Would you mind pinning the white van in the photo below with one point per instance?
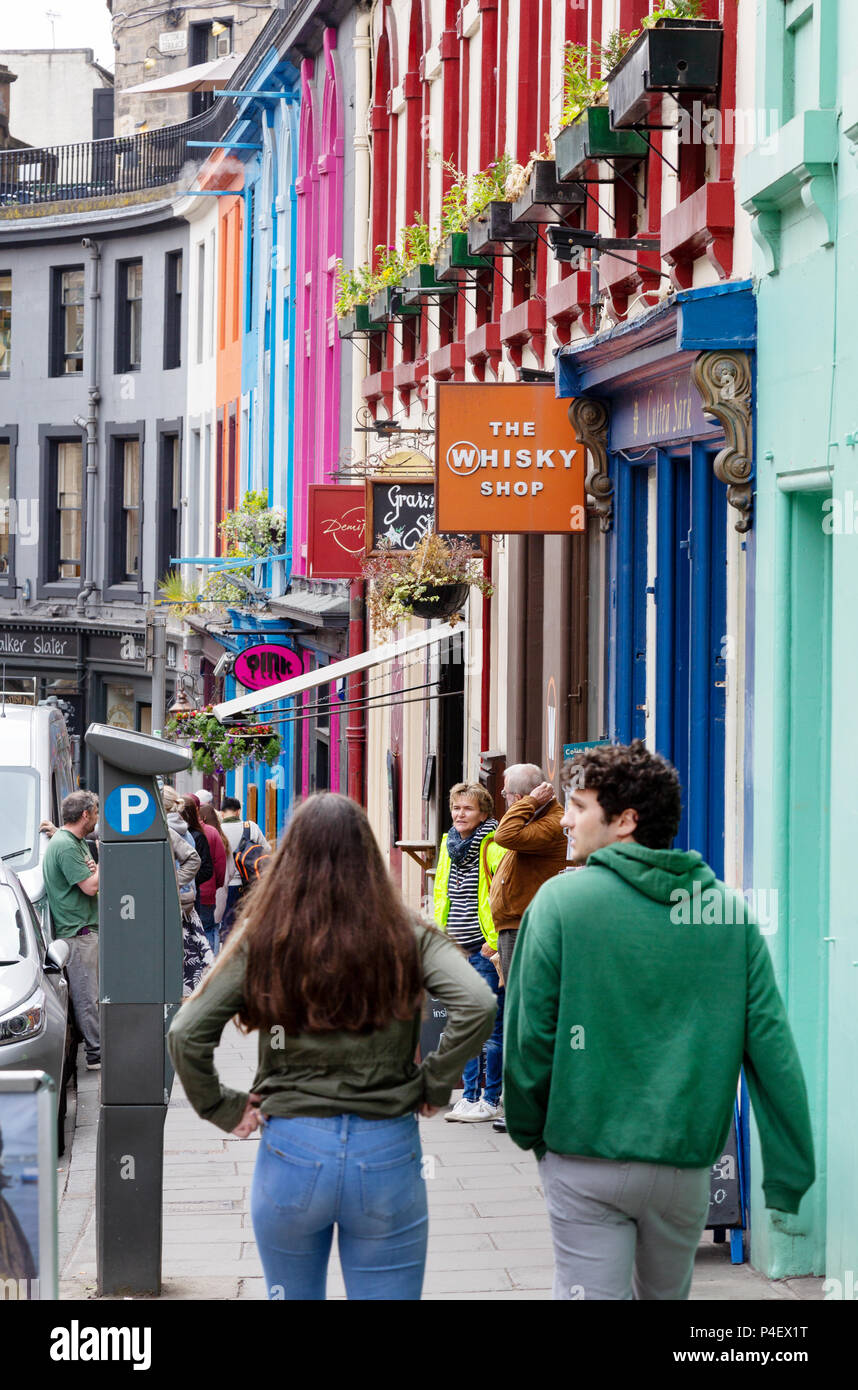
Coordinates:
(35, 775)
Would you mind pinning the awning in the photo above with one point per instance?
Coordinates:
(203, 77)
(316, 610)
(334, 672)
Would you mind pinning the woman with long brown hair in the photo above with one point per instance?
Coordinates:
(330, 966)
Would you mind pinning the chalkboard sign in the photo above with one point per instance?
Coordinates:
(400, 511)
(725, 1197)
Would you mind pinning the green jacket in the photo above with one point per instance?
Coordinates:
(325, 1074)
(490, 856)
(638, 988)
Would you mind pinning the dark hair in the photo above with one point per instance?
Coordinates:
(207, 815)
(191, 816)
(330, 943)
(230, 803)
(631, 777)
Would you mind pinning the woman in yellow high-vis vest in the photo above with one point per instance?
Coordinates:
(466, 864)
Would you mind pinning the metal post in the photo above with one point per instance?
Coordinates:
(159, 671)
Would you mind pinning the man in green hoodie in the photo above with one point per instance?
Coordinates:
(638, 988)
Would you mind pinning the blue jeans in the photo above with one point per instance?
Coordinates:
(206, 916)
(362, 1175)
(494, 1046)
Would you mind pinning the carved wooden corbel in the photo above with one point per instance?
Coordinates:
(724, 382)
(589, 419)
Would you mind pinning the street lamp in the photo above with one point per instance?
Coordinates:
(182, 703)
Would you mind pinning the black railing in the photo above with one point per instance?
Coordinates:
(109, 168)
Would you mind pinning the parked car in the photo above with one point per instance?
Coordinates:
(35, 1018)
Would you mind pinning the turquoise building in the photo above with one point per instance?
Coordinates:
(801, 188)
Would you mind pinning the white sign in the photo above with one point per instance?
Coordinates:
(173, 41)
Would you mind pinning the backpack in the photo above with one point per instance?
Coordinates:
(251, 860)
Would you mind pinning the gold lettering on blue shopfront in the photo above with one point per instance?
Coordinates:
(666, 412)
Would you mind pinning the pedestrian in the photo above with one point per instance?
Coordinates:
(627, 1023)
(204, 797)
(212, 847)
(233, 828)
(467, 860)
(533, 836)
(196, 952)
(331, 967)
(71, 883)
(213, 892)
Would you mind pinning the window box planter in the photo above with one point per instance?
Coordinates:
(455, 261)
(591, 137)
(387, 305)
(678, 55)
(546, 199)
(421, 283)
(358, 324)
(493, 234)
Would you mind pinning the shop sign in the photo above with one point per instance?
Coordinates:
(129, 649)
(266, 664)
(400, 511)
(508, 460)
(337, 531)
(58, 646)
(659, 412)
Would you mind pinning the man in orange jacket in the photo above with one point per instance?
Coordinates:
(535, 841)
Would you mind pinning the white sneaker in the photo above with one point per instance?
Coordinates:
(464, 1110)
(479, 1112)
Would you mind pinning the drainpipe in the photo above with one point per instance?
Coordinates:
(91, 422)
(356, 724)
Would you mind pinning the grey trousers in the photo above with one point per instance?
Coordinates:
(82, 971)
(623, 1230)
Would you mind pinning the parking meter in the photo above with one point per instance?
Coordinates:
(140, 980)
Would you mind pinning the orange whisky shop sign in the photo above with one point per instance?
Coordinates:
(507, 461)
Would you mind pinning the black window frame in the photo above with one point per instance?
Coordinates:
(117, 588)
(122, 344)
(168, 430)
(57, 351)
(47, 586)
(7, 371)
(9, 435)
(173, 270)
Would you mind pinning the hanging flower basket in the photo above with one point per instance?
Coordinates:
(440, 600)
(430, 581)
(216, 747)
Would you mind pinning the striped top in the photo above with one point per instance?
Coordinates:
(463, 923)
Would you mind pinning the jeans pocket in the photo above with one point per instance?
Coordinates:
(388, 1189)
(288, 1182)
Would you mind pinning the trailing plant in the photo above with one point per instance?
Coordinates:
(469, 195)
(586, 66)
(254, 527)
(218, 748)
(399, 579)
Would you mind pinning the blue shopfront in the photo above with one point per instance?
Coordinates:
(665, 406)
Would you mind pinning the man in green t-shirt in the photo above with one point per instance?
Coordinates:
(71, 883)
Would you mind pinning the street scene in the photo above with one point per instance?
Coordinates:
(426, 515)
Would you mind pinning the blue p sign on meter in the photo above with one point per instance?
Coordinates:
(130, 809)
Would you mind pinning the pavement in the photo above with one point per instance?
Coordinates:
(488, 1231)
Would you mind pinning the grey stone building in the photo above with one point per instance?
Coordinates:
(153, 39)
(91, 420)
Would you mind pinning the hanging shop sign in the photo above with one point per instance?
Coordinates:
(266, 664)
(507, 460)
(400, 511)
(337, 535)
